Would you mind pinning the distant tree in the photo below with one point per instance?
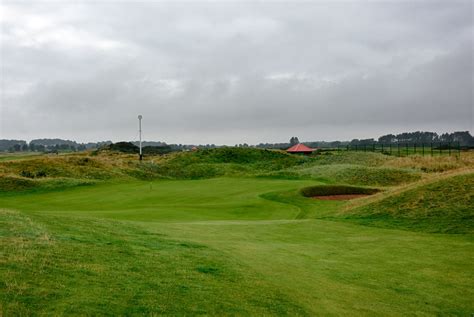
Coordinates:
(387, 139)
(24, 147)
(417, 137)
(463, 137)
(8, 145)
(294, 140)
(446, 137)
(366, 141)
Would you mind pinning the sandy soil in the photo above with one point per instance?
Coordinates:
(340, 197)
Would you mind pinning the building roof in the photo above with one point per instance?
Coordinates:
(299, 148)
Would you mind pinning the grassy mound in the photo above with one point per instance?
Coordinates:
(245, 156)
(349, 174)
(327, 190)
(217, 162)
(56, 172)
(109, 165)
(446, 206)
(355, 158)
(83, 167)
(11, 184)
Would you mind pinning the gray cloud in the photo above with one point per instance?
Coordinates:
(231, 73)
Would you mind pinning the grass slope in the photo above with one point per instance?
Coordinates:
(445, 206)
(57, 266)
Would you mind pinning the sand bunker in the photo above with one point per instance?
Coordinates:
(337, 192)
(340, 197)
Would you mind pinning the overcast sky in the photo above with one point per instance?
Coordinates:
(226, 73)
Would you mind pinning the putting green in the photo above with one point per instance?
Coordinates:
(212, 199)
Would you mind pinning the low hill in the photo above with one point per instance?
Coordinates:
(350, 174)
(350, 168)
(444, 206)
(119, 162)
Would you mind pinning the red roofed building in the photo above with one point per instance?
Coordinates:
(300, 148)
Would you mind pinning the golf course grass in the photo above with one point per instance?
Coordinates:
(244, 242)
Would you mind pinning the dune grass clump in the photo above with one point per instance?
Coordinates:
(348, 174)
(445, 206)
(327, 190)
(351, 157)
(68, 166)
(437, 164)
(11, 184)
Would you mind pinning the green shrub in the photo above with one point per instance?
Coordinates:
(124, 147)
(157, 150)
(27, 174)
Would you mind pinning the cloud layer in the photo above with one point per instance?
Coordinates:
(233, 73)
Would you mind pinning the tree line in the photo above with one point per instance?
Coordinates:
(461, 138)
(47, 145)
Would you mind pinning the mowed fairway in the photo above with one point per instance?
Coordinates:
(220, 247)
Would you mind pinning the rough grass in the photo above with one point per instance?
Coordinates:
(64, 166)
(355, 168)
(434, 163)
(10, 185)
(350, 174)
(350, 157)
(18, 156)
(445, 206)
(185, 165)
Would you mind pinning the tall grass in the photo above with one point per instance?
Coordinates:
(443, 206)
(433, 163)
